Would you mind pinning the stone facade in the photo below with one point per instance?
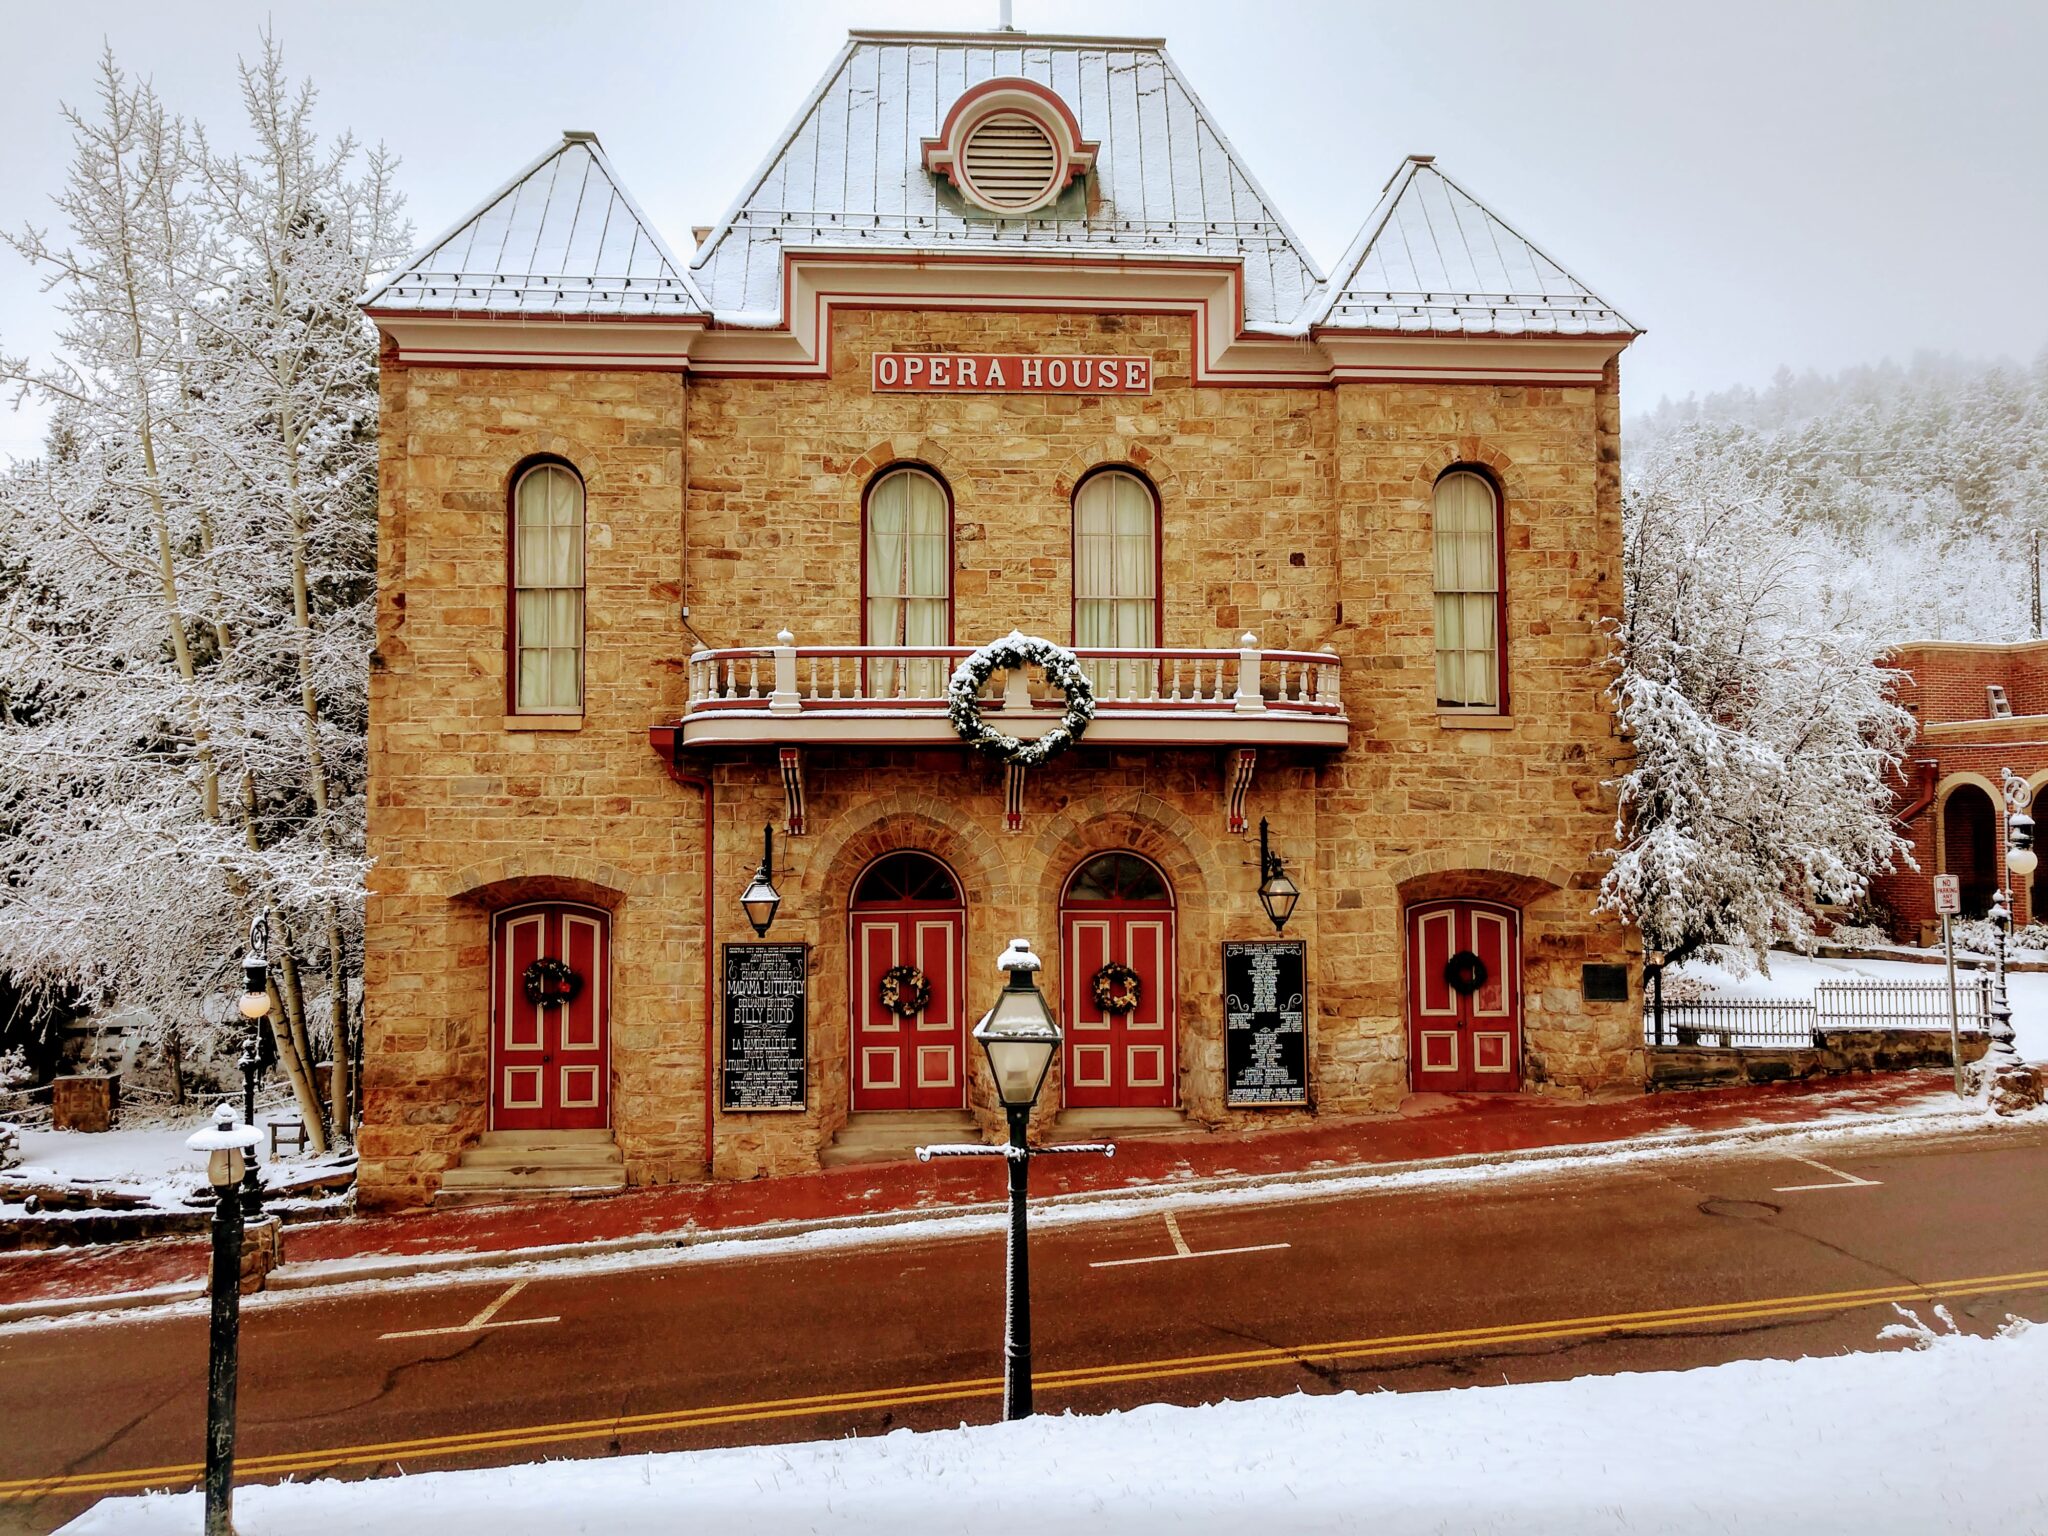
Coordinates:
(1301, 514)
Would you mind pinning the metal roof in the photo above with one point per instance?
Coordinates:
(849, 171)
(562, 237)
(1432, 259)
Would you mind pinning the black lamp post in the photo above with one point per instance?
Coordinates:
(2020, 860)
(1277, 893)
(1653, 962)
(760, 899)
(255, 1007)
(1020, 1037)
(227, 1146)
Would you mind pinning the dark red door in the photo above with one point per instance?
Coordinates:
(1464, 998)
(907, 917)
(1118, 911)
(550, 1061)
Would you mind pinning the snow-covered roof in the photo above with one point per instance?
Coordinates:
(562, 237)
(1432, 259)
(849, 171)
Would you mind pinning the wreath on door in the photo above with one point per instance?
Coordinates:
(1117, 989)
(549, 982)
(1465, 973)
(1062, 669)
(905, 991)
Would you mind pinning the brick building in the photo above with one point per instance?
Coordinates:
(1981, 708)
(1003, 337)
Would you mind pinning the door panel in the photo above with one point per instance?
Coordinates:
(1464, 1041)
(550, 1063)
(1120, 1061)
(912, 1063)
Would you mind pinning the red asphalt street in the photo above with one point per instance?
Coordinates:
(1798, 1249)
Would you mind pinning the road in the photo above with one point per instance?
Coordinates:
(1634, 1266)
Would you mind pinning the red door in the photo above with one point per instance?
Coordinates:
(907, 915)
(550, 1066)
(1118, 911)
(1464, 998)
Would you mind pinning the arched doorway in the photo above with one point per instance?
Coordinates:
(1464, 997)
(1117, 911)
(1969, 845)
(907, 935)
(551, 1023)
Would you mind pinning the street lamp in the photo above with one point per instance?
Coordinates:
(255, 1007)
(760, 899)
(1277, 893)
(227, 1146)
(1653, 961)
(1020, 1036)
(2021, 860)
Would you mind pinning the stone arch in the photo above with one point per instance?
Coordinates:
(1471, 451)
(494, 883)
(1109, 452)
(1477, 870)
(854, 839)
(1142, 823)
(1986, 871)
(904, 448)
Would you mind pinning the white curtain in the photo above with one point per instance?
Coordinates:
(1116, 566)
(1467, 593)
(909, 589)
(547, 578)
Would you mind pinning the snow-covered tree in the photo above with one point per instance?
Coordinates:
(185, 633)
(1764, 736)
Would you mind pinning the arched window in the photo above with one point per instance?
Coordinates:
(547, 591)
(1116, 572)
(907, 569)
(1469, 664)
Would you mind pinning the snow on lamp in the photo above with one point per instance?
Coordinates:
(226, 1144)
(1019, 1034)
(2020, 857)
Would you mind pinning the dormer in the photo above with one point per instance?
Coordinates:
(1010, 146)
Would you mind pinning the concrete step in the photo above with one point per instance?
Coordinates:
(893, 1136)
(446, 1199)
(527, 1178)
(544, 1138)
(1115, 1124)
(575, 1154)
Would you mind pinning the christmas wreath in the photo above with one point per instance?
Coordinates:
(1062, 670)
(1117, 989)
(905, 991)
(1465, 973)
(549, 981)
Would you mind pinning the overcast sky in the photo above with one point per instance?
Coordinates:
(1755, 183)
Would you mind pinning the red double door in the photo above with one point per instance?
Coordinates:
(915, 1060)
(550, 1061)
(1464, 998)
(1118, 911)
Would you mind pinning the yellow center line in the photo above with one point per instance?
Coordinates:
(1463, 1340)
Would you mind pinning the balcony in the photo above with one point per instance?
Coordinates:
(868, 695)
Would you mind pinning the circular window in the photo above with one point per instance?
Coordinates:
(1009, 161)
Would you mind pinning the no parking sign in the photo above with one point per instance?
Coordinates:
(1948, 895)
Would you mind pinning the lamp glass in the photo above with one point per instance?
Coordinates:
(225, 1167)
(1277, 895)
(255, 1005)
(760, 901)
(2022, 861)
(1019, 1067)
(1020, 1035)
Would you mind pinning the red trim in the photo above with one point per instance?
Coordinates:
(1158, 554)
(520, 471)
(691, 318)
(867, 492)
(1411, 979)
(967, 99)
(662, 738)
(548, 1113)
(1500, 578)
(956, 908)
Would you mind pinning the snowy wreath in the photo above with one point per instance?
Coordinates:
(905, 991)
(1062, 669)
(1117, 989)
(549, 981)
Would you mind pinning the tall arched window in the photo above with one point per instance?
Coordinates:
(547, 591)
(908, 574)
(1116, 570)
(1468, 594)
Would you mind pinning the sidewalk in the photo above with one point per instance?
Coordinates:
(78, 1279)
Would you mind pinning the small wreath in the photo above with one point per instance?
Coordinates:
(1062, 670)
(1465, 973)
(905, 991)
(1117, 989)
(549, 982)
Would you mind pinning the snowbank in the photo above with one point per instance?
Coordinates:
(147, 1159)
(1942, 1439)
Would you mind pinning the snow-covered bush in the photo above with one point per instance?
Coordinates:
(1859, 935)
(1981, 935)
(10, 1145)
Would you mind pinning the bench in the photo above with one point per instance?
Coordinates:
(293, 1131)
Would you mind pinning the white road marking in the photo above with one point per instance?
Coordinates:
(1841, 1180)
(480, 1322)
(1181, 1250)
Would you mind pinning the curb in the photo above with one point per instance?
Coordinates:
(324, 1273)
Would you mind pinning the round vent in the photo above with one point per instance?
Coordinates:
(1010, 160)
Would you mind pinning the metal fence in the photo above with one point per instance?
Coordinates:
(1836, 1005)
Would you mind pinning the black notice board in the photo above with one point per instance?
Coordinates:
(1265, 1025)
(765, 1062)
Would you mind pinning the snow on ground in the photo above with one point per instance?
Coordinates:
(1793, 977)
(1813, 1446)
(146, 1155)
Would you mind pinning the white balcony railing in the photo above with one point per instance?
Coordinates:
(894, 694)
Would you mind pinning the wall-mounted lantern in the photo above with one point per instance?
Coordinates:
(1277, 893)
(760, 899)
